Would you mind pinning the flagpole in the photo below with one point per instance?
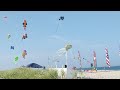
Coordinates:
(66, 59)
(95, 60)
(80, 65)
(80, 61)
(48, 63)
(96, 65)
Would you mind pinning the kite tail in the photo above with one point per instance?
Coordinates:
(24, 28)
(24, 56)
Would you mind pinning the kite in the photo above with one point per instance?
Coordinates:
(16, 58)
(68, 46)
(24, 36)
(61, 18)
(25, 24)
(24, 53)
(12, 47)
(5, 17)
(9, 36)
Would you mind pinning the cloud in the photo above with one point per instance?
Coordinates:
(58, 38)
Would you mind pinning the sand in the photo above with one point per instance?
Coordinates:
(101, 74)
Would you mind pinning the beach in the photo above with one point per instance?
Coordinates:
(20, 73)
(101, 74)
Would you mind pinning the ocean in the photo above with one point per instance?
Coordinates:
(103, 68)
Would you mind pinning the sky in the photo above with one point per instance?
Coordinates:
(86, 31)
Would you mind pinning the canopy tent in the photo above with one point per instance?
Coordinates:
(34, 65)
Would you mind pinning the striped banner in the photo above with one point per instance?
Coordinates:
(79, 58)
(94, 59)
(107, 58)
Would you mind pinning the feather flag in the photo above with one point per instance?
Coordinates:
(79, 58)
(94, 59)
(107, 58)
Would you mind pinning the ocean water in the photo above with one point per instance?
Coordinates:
(104, 68)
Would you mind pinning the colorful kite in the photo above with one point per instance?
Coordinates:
(9, 36)
(24, 36)
(5, 18)
(61, 18)
(12, 47)
(16, 58)
(24, 53)
(25, 24)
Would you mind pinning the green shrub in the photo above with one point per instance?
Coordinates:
(28, 73)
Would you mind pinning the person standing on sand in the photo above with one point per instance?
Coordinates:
(92, 66)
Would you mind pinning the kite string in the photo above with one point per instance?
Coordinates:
(57, 26)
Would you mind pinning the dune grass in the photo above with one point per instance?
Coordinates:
(28, 73)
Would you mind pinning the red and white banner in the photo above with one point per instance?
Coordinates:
(79, 58)
(94, 59)
(107, 57)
